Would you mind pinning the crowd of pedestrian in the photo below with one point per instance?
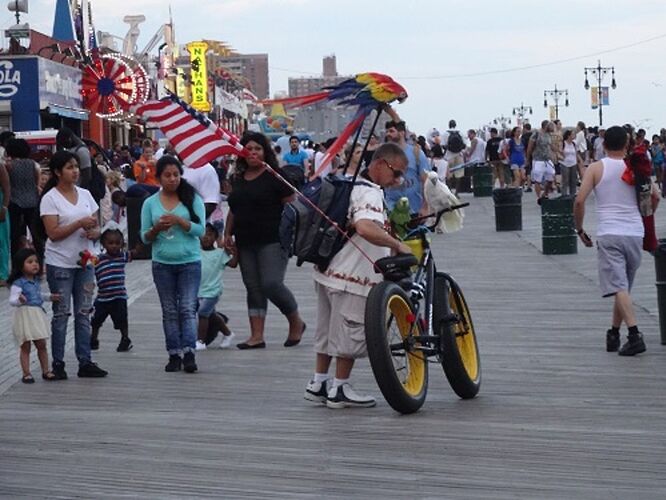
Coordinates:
(60, 225)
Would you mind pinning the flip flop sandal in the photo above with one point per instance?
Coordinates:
(27, 379)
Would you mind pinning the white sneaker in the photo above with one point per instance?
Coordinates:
(316, 391)
(344, 396)
(226, 341)
(200, 346)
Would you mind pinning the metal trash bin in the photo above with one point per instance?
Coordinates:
(465, 184)
(482, 181)
(557, 224)
(660, 268)
(134, 229)
(508, 209)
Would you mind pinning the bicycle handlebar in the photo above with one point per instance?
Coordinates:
(416, 221)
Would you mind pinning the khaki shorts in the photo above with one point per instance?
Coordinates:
(454, 161)
(340, 323)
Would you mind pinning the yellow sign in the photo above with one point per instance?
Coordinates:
(199, 76)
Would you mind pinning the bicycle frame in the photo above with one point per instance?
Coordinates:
(422, 288)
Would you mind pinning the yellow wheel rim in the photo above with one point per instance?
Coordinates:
(411, 372)
(464, 334)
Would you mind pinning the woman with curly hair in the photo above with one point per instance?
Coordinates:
(255, 209)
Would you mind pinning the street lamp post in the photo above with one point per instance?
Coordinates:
(599, 72)
(502, 121)
(521, 111)
(556, 94)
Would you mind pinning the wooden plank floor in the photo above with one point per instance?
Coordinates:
(557, 416)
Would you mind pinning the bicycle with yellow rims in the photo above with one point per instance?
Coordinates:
(417, 316)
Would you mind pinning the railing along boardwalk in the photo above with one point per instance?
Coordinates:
(557, 417)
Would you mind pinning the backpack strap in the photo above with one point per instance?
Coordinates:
(362, 183)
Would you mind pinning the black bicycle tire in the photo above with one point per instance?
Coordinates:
(379, 352)
(466, 386)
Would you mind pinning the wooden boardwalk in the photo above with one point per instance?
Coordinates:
(557, 416)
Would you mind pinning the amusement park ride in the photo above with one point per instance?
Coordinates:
(118, 75)
(114, 82)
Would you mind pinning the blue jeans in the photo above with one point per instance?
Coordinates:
(177, 286)
(74, 285)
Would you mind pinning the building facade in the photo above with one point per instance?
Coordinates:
(253, 67)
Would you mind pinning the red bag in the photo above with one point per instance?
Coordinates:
(637, 174)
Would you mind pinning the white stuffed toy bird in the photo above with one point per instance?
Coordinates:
(439, 196)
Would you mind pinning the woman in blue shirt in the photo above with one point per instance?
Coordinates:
(172, 220)
(517, 157)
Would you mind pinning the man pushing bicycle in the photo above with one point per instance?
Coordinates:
(342, 289)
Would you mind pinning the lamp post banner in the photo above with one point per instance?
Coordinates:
(594, 95)
(553, 113)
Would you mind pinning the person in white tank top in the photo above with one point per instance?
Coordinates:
(619, 237)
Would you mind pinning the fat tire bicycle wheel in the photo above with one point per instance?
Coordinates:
(459, 351)
(402, 375)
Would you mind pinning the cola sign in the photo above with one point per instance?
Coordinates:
(10, 79)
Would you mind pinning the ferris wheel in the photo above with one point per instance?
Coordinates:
(113, 83)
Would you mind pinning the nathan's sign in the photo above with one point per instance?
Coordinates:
(199, 76)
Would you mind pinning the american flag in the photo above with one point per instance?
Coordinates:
(196, 139)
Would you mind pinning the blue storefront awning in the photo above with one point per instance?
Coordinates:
(76, 113)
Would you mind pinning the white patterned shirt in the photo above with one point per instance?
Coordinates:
(350, 271)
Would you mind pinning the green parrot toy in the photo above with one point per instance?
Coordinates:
(400, 217)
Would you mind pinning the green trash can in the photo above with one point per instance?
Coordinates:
(482, 181)
(557, 224)
(508, 209)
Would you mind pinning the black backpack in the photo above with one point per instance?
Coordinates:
(97, 185)
(455, 142)
(309, 236)
(294, 174)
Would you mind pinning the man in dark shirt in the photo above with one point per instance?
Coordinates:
(525, 139)
(492, 156)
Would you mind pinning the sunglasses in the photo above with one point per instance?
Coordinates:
(396, 173)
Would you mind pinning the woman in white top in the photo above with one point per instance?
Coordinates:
(439, 164)
(570, 161)
(69, 214)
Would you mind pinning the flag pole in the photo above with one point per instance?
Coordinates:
(367, 142)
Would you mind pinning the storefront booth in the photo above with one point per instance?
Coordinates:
(38, 93)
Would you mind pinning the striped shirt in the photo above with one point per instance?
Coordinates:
(110, 274)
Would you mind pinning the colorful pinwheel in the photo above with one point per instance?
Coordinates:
(112, 84)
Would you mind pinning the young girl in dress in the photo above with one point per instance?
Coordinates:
(30, 324)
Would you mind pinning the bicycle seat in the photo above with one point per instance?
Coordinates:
(397, 267)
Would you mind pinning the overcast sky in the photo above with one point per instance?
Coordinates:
(428, 45)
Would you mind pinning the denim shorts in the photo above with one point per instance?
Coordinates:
(207, 306)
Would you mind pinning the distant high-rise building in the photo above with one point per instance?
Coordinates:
(330, 66)
(320, 120)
